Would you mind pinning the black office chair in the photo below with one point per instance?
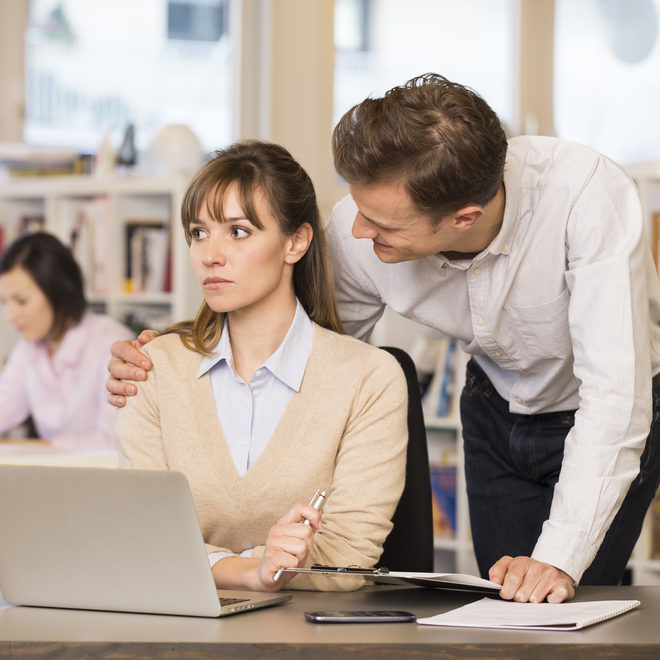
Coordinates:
(409, 546)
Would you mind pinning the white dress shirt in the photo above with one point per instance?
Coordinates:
(561, 310)
(256, 407)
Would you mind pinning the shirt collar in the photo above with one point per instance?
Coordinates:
(502, 243)
(287, 363)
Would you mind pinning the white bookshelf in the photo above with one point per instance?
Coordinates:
(452, 553)
(108, 205)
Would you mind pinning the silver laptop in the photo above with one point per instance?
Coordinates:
(108, 539)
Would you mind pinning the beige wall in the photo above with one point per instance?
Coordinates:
(12, 64)
(535, 67)
(285, 81)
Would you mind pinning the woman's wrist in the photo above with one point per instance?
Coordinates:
(237, 573)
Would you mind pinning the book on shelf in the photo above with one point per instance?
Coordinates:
(26, 224)
(21, 160)
(437, 398)
(141, 317)
(84, 225)
(443, 493)
(148, 258)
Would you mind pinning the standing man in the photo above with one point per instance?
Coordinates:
(532, 254)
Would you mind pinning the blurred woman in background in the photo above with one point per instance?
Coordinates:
(56, 373)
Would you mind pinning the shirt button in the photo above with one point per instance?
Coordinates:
(258, 372)
(256, 391)
(476, 270)
(480, 322)
(506, 247)
(518, 400)
(497, 354)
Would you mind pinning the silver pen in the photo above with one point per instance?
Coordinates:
(317, 503)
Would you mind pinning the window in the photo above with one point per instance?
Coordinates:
(200, 20)
(94, 67)
(607, 76)
(383, 43)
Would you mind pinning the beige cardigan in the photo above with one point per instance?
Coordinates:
(344, 432)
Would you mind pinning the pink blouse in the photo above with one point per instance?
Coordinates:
(65, 395)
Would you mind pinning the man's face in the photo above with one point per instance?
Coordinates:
(399, 231)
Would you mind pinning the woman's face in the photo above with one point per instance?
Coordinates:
(26, 306)
(239, 266)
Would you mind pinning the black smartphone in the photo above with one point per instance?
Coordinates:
(360, 616)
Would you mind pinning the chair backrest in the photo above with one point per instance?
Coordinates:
(409, 546)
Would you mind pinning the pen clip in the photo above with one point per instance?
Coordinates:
(349, 569)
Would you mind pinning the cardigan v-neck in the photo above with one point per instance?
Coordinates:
(345, 431)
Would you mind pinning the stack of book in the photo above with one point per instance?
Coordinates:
(147, 264)
(21, 160)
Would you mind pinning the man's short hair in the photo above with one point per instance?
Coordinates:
(439, 138)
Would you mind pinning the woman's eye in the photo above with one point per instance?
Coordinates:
(239, 232)
(196, 233)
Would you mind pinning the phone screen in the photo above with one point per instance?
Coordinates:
(360, 616)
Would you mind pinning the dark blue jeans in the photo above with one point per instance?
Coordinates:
(512, 464)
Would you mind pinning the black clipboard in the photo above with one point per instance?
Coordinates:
(448, 581)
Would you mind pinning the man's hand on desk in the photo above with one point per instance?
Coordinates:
(127, 362)
(524, 579)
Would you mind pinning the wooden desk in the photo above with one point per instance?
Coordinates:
(281, 631)
(41, 452)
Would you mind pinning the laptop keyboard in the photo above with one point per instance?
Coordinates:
(232, 601)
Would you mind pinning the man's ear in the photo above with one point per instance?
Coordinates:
(299, 243)
(466, 217)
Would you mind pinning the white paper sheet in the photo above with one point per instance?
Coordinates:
(494, 613)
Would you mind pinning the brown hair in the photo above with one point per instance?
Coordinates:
(441, 139)
(268, 168)
(55, 271)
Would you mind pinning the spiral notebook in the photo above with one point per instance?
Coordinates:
(493, 613)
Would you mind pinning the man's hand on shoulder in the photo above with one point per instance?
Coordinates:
(524, 579)
(128, 362)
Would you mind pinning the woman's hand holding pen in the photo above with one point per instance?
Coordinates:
(288, 545)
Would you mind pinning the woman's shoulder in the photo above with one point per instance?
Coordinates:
(169, 347)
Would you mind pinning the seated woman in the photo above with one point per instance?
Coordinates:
(56, 373)
(260, 401)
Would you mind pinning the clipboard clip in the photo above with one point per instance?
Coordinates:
(319, 568)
